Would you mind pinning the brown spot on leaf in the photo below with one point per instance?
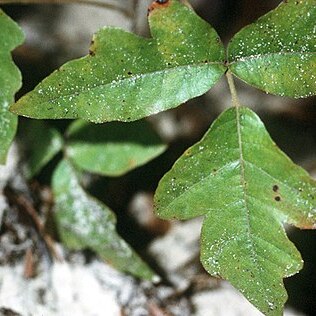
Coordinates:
(158, 4)
(187, 152)
(278, 198)
(92, 48)
(275, 188)
(307, 226)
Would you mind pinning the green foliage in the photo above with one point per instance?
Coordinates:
(278, 52)
(85, 222)
(242, 239)
(127, 77)
(10, 81)
(112, 149)
(236, 177)
(41, 143)
(109, 149)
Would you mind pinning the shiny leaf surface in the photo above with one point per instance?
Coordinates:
(114, 148)
(10, 81)
(85, 222)
(127, 77)
(278, 52)
(246, 188)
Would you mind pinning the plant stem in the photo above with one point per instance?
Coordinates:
(232, 89)
(98, 3)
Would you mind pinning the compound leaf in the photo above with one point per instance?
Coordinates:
(42, 142)
(127, 77)
(85, 222)
(114, 148)
(10, 81)
(247, 189)
(278, 52)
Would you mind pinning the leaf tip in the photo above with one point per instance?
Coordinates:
(23, 107)
(15, 108)
(12, 108)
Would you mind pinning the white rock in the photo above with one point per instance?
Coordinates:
(8, 170)
(226, 301)
(66, 289)
(179, 246)
(77, 292)
(76, 25)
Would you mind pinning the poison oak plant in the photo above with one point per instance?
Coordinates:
(235, 177)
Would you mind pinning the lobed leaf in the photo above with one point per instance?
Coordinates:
(112, 149)
(127, 77)
(278, 52)
(247, 189)
(85, 222)
(10, 81)
(42, 142)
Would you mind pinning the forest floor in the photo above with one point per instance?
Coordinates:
(38, 276)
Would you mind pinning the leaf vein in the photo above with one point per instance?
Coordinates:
(87, 90)
(261, 56)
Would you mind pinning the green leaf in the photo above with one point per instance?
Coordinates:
(277, 53)
(127, 77)
(85, 222)
(247, 189)
(10, 81)
(112, 149)
(41, 143)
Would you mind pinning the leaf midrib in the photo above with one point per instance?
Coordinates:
(228, 165)
(264, 55)
(86, 90)
(254, 253)
(244, 188)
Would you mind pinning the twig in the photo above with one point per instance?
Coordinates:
(27, 206)
(89, 2)
(29, 264)
(155, 310)
(232, 89)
